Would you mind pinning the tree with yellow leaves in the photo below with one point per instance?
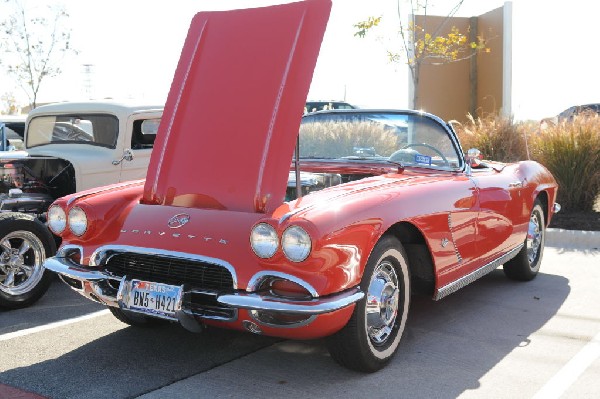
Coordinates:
(419, 46)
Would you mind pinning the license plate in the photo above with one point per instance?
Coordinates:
(154, 299)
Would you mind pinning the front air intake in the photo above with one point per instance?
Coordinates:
(170, 270)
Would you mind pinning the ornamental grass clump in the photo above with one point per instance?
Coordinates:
(337, 139)
(496, 136)
(571, 151)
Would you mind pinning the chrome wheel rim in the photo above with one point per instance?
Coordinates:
(383, 299)
(22, 256)
(534, 238)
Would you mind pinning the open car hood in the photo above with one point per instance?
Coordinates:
(233, 113)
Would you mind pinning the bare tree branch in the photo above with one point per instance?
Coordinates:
(33, 45)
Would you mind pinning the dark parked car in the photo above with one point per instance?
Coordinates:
(568, 114)
(14, 129)
(571, 112)
(312, 106)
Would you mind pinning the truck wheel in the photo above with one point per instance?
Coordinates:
(24, 245)
(526, 264)
(136, 319)
(372, 335)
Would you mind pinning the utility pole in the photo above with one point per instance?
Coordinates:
(87, 80)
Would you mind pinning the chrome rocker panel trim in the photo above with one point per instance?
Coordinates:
(475, 274)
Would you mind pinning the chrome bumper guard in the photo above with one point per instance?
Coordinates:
(95, 285)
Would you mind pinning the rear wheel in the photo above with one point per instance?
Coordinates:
(526, 265)
(25, 243)
(373, 333)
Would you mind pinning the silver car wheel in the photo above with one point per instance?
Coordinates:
(382, 303)
(534, 238)
(22, 255)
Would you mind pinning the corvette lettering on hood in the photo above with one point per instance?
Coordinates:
(233, 112)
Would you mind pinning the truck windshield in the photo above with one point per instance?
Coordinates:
(93, 129)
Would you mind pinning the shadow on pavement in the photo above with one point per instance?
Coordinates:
(59, 303)
(132, 361)
(448, 346)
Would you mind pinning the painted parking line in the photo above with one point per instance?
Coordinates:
(45, 327)
(571, 371)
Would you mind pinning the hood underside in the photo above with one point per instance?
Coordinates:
(233, 112)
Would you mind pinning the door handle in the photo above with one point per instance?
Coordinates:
(127, 156)
(515, 184)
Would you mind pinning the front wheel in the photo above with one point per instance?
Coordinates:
(371, 337)
(526, 265)
(24, 245)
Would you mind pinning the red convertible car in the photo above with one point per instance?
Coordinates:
(226, 232)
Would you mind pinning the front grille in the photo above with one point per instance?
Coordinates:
(168, 270)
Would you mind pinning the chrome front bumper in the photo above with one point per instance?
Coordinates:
(103, 287)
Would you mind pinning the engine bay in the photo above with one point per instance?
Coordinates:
(31, 184)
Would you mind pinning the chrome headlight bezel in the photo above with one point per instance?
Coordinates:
(57, 219)
(296, 243)
(78, 221)
(264, 240)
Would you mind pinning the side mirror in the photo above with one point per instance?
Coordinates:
(474, 157)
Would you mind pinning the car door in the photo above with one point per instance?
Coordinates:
(501, 210)
(141, 130)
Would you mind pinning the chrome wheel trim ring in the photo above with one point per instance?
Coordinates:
(382, 303)
(22, 255)
(534, 238)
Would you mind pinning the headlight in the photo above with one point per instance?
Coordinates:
(264, 240)
(77, 221)
(296, 243)
(57, 219)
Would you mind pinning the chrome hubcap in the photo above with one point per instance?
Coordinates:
(21, 257)
(534, 238)
(382, 303)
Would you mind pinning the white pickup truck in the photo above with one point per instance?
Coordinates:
(68, 147)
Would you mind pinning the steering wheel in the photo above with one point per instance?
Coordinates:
(446, 163)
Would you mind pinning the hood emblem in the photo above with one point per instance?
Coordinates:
(178, 220)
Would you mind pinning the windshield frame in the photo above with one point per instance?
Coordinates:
(445, 127)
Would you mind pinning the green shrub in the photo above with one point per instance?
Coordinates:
(571, 151)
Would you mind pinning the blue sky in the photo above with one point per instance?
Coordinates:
(133, 47)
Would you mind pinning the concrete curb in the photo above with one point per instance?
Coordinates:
(573, 239)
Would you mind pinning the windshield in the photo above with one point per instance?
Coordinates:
(93, 129)
(409, 139)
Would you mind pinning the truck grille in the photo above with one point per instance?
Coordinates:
(173, 271)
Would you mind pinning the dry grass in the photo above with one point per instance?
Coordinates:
(571, 151)
(340, 139)
(497, 137)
